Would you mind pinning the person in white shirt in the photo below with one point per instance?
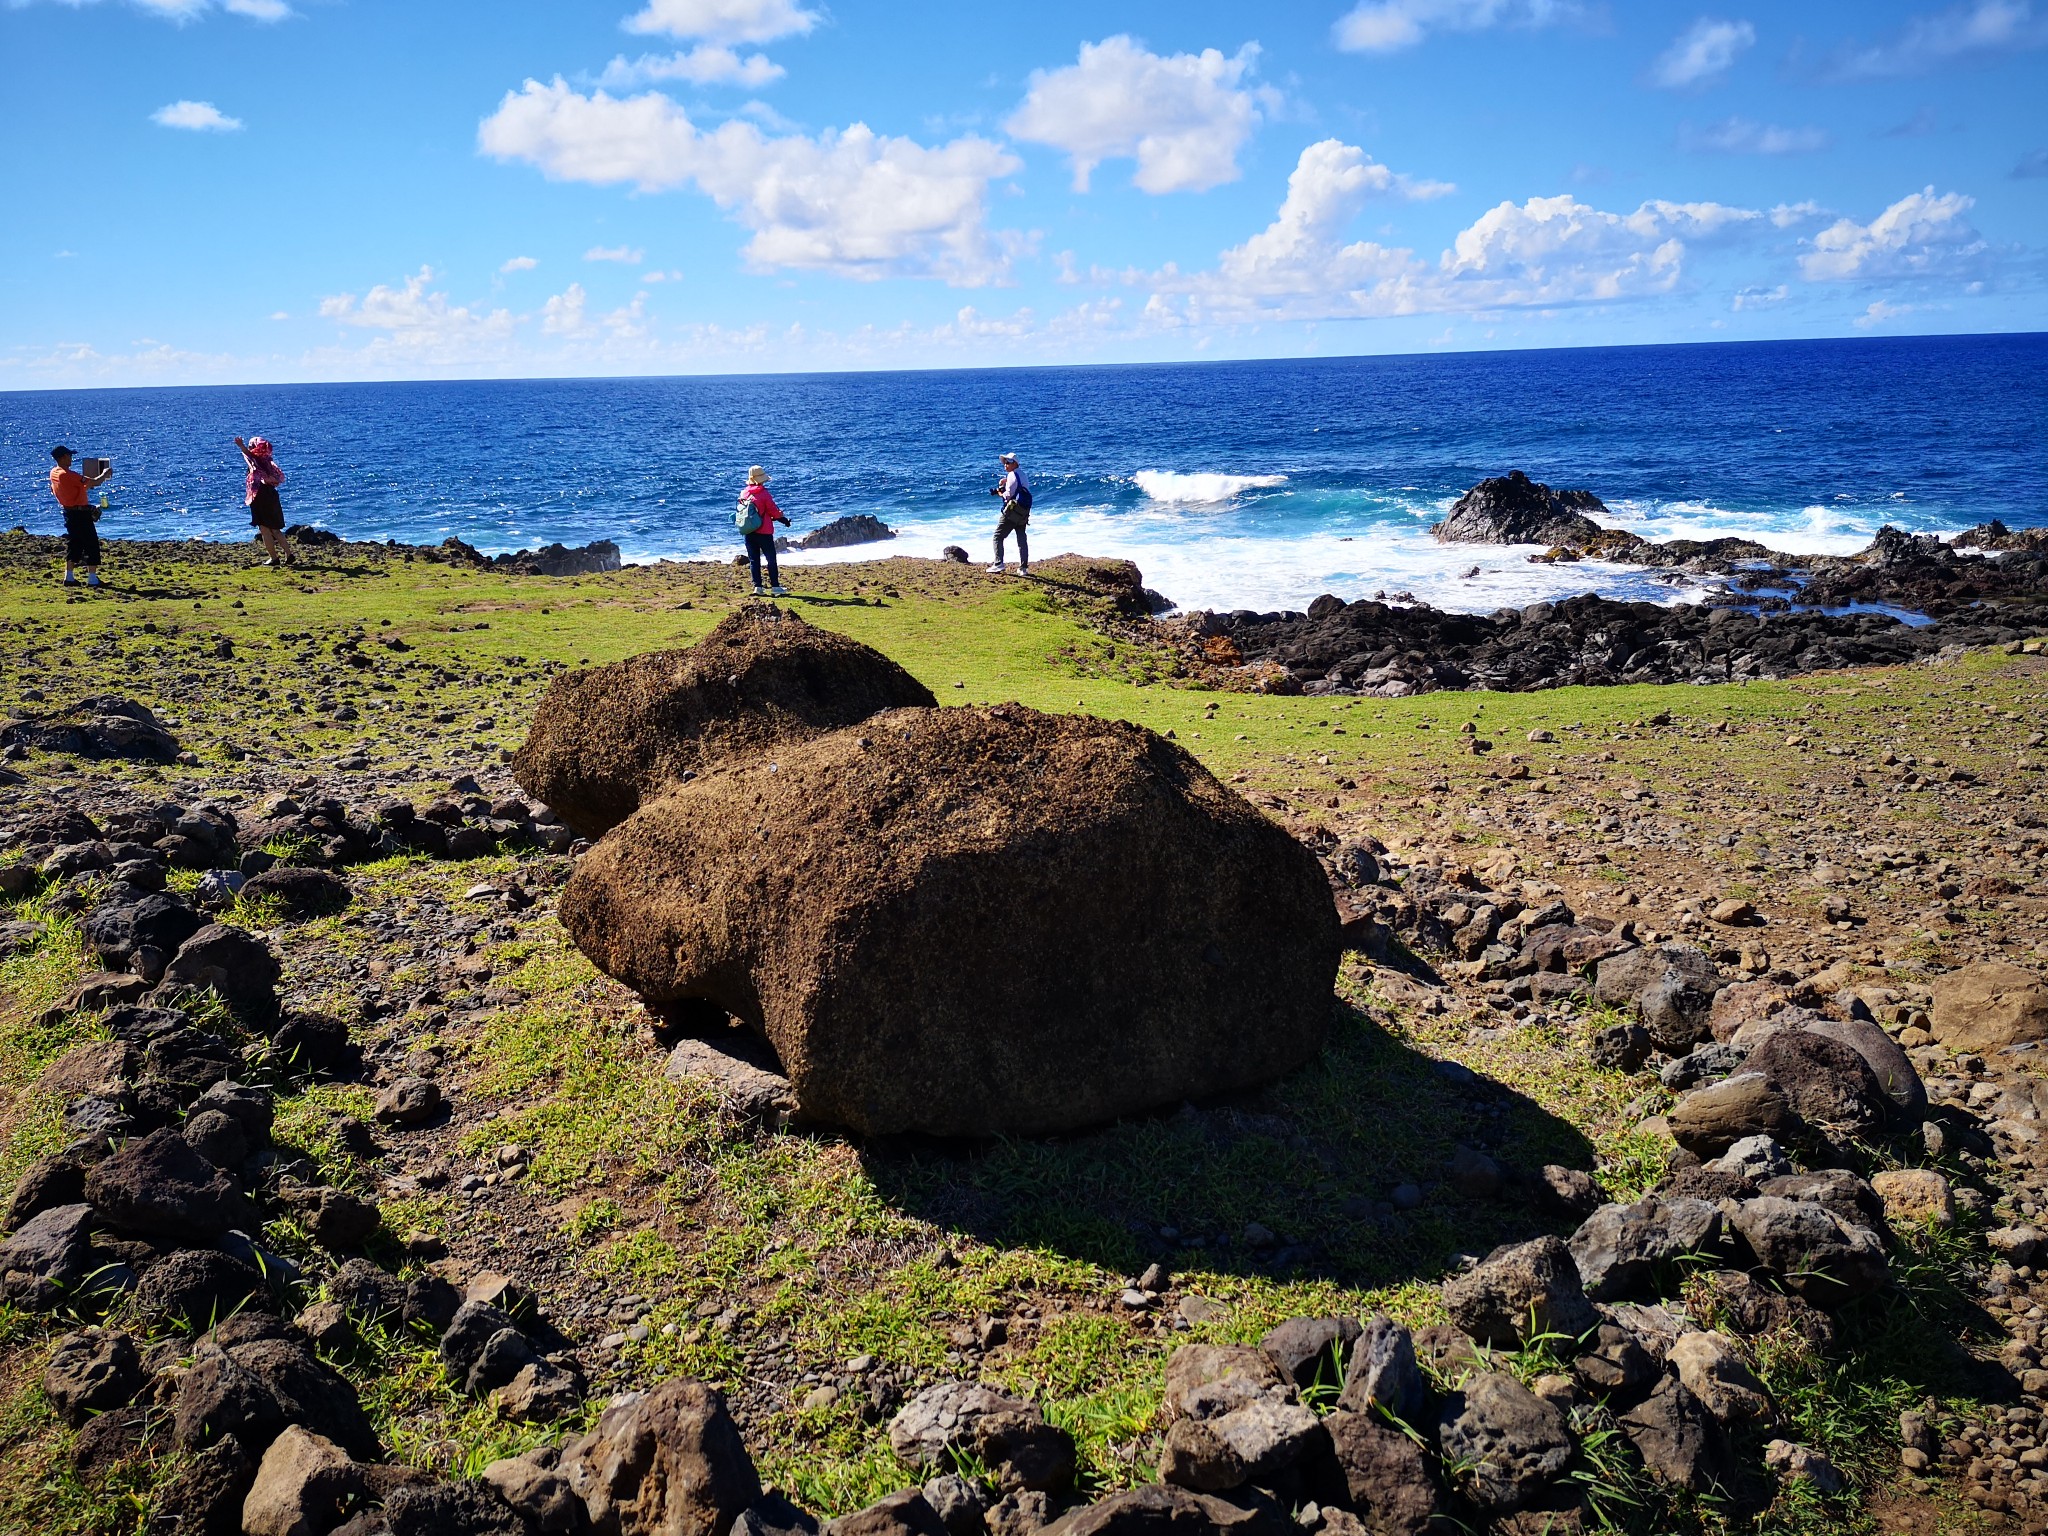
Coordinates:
(1016, 494)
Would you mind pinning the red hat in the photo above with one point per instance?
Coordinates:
(260, 446)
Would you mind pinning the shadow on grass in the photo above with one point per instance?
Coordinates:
(1313, 1160)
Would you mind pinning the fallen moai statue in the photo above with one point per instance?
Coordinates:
(951, 921)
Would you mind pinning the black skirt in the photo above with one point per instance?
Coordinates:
(266, 511)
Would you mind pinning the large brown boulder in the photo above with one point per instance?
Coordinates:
(974, 921)
(605, 738)
(1988, 1006)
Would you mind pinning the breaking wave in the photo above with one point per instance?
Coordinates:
(1169, 485)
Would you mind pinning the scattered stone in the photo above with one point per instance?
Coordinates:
(1160, 1509)
(1619, 1248)
(1708, 1121)
(159, 1186)
(1509, 1440)
(1006, 1434)
(195, 1288)
(249, 1378)
(1517, 1288)
(1383, 1373)
(1680, 1442)
(668, 1460)
(46, 1259)
(898, 1514)
(231, 962)
(303, 1487)
(1988, 1006)
(1791, 1461)
(1713, 1370)
(1385, 1474)
(409, 1103)
(1310, 1350)
(1811, 1249)
(94, 1371)
(1915, 1197)
(1672, 986)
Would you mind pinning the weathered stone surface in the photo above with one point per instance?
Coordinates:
(451, 1509)
(1988, 1006)
(1161, 1509)
(1512, 1441)
(1007, 1434)
(196, 1288)
(1895, 1075)
(1793, 1462)
(47, 1258)
(303, 1487)
(58, 1179)
(204, 1496)
(538, 1491)
(606, 738)
(116, 929)
(859, 528)
(298, 891)
(1680, 1442)
(232, 962)
(898, 1514)
(93, 1371)
(1828, 1085)
(1814, 1251)
(745, 1085)
(1614, 1363)
(667, 1463)
(1513, 509)
(1519, 1290)
(957, 1503)
(1205, 1380)
(1672, 986)
(1619, 1247)
(250, 1379)
(158, 1186)
(1385, 1474)
(1309, 1349)
(1708, 1121)
(1713, 1370)
(409, 1103)
(540, 1392)
(1384, 1373)
(1247, 1444)
(1179, 943)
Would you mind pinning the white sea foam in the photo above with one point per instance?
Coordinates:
(1170, 485)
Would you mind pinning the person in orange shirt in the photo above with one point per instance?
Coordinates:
(81, 523)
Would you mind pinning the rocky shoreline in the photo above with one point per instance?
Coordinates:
(1761, 613)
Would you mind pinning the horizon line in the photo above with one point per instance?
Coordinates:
(1204, 362)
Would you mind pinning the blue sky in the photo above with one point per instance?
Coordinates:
(251, 190)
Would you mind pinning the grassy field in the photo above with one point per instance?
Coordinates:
(765, 1264)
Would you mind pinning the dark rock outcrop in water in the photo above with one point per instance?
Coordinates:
(844, 531)
(1764, 615)
(1513, 509)
(548, 560)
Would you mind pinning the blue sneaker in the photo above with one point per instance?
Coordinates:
(70, 580)
(93, 580)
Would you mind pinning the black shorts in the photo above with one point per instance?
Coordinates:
(266, 511)
(81, 536)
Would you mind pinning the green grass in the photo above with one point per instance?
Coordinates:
(831, 1250)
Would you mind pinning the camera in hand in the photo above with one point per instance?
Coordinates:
(93, 468)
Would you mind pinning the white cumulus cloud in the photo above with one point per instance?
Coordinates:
(1963, 34)
(195, 117)
(1702, 53)
(1741, 136)
(418, 323)
(1545, 252)
(849, 201)
(1387, 26)
(724, 21)
(1181, 117)
(629, 255)
(562, 315)
(1759, 297)
(194, 10)
(1920, 235)
(705, 64)
(519, 264)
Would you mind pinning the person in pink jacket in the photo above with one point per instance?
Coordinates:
(756, 517)
(259, 493)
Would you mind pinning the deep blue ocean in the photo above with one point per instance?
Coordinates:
(1253, 484)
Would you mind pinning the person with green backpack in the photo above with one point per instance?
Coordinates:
(756, 517)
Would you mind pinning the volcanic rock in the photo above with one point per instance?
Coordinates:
(606, 738)
(232, 962)
(860, 528)
(1512, 1441)
(1680, 1442)
(1513, 509)
(47, 1257)
(1006, 1434)
(94, 1371)
(1160, 1509)
(1517, 1288)
(1310, 1349)
(1177, 943)
(158, 1186)
(1619, 1248)
(1988, 1006)
(1384, 1473)
(668, 1460)
(1383, 1373)
(250, 1378)
(303, 1487)
(195, 1288)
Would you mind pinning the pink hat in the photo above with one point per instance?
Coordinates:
(260, 446)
